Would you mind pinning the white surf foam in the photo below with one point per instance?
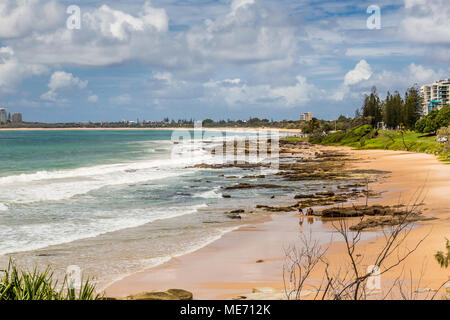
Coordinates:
(37, 236)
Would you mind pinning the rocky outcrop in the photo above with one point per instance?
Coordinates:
(250, 186)
(358, 211)
(371, 223)
(171, 294)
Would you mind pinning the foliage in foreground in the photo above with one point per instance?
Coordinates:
(17, 284)
(443, 258)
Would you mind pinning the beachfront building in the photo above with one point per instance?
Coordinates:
(3, 115)
(16, 118)
(306, 116)
(435, 95)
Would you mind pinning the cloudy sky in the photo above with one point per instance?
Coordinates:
(215, 59)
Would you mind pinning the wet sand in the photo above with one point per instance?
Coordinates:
(229, 267)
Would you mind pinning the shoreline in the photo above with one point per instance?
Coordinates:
(228, 267)
(153, 129)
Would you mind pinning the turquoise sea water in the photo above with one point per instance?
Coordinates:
(114, 202)
(25, 151)
(111, 202)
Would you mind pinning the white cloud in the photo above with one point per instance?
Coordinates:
(362, 71)
(248, 34)
(93, 98)
(21, 17)
(120, 25)
(163, 76)
(12, 71)
(107, 36)
(427, 21)
(60, 81)
(236, 4)
(236, 93)
(387, 80)
(232, 81)
(410, 75)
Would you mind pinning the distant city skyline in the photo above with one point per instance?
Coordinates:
(224, 59)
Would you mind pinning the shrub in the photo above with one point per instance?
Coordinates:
(40, 285)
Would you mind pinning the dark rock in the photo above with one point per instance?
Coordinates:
(303, 196)
(250, 186)
(171, 294)
(327, 193)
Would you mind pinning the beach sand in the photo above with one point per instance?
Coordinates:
(228, 267)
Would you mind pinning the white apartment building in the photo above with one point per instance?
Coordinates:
(435, 95)
(3, 115)
(306, 116)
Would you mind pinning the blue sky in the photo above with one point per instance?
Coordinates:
(224, 59)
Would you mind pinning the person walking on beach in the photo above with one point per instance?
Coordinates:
(300, 211)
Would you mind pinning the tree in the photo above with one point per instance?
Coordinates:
(392, 110)
(372, 107)
(443, 117)
(413, 107)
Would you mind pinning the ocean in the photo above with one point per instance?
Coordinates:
(114, 202)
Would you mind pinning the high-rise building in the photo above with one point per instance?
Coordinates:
(306, 116)
(3, 115)
(435, 95)
(16, 118)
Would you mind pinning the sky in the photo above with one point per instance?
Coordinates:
(219, 59)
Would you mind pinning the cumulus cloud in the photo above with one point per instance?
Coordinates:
(12, 71)
(410, 75)
(21, 17)
(107, 36)
(120, 25)
(362, 71)
(60, 81)
(360, 74)
(235, 93)
(248, 33)
(236, 4)
(386, 80)
(427, 21)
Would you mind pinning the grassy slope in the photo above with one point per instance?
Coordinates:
(366, 138)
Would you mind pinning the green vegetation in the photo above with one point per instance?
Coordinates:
(364, 137)
(393, 111)
(443, 258)
(434, 120)
(39, 285)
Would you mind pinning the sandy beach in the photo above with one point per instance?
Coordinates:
(252, 256)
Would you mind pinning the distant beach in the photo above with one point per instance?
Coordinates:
(156, 129)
